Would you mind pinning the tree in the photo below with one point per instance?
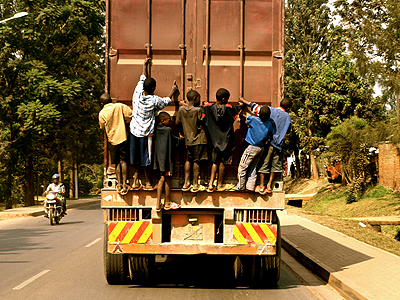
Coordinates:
(350, 141)
(320, 77)
(373, 31)
(51, 75)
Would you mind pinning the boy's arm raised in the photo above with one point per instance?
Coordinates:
(173, 89)
(243, 101)
(145, 64)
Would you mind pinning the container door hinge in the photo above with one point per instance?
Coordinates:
(277, 54)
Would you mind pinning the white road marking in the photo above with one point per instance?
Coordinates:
(30, 280)
(92, 243)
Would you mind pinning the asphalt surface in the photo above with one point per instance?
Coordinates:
(65, 261)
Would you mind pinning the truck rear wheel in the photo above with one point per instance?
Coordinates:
(268, 268)
(262, 271)
(242, 267)
(116, 267)
(141, 267)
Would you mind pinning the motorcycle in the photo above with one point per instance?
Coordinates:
(54, 207)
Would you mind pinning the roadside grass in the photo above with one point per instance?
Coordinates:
(329, 208)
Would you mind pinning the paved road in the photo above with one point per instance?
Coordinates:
(39, 261)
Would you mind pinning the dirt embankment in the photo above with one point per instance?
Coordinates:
(301, 186)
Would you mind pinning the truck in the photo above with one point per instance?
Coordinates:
(203, 45)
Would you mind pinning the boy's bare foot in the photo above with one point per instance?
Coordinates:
(159, 206)
(137, 185)
(171, 205)
(186, 187)
(125, 189)
(211, 188)
(225, 187)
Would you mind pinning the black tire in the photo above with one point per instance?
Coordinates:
(57, 219)
(259, 271)
(270, 267)
(141, 268)
(243, 269)
(51, 216)
(116, 268)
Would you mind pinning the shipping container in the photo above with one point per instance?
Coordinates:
(203, 45)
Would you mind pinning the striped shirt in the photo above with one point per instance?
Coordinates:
(144, 110)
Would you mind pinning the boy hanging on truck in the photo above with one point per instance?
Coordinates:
(165, 144)
(260, 131)
(144, 107)
(190, 122)
(219, 118)
(112, 120)
(272, 158)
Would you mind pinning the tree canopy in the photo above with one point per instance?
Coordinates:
(372, 29)
(51, 75)
(320, 76)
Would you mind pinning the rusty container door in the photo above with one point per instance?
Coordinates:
(202, 44)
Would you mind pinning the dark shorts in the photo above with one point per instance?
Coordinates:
(118, 152)
(225, 157)
(196, 153)
(271, 161)
(140, 150)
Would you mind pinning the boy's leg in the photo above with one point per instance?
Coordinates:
(255, 154)
(196, 172)
(168, 189)
(265, 167)
(212, 176)
(276, 166)
(186, 185)
(221, 175)
(136, 182)
(262, 183)
(124, 172)
(145, 146)
(147, 174)
(248, 156)
(134, 155)
(242, 169)
(123, 166)
(118, 173)
(271, 178)
(159, 191)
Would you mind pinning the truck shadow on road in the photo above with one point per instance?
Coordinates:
(310, 247)
(205, 272)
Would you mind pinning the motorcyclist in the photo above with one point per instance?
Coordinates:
(59, 188)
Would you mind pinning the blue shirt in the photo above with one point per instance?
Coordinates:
(259, 132)
(282, 121)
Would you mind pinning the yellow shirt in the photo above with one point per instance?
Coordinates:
(111, 118)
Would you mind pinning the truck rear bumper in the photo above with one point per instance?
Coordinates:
(190, 249)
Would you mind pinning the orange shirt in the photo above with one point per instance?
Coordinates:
(111, 118)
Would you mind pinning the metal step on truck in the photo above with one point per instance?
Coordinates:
(203, 45)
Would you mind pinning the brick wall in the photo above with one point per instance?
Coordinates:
(389, 166)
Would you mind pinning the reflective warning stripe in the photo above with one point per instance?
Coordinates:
(269, 233)
(239, 236)
(250, 233)
(140, 232)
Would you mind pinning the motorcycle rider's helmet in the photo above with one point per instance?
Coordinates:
(56, 176)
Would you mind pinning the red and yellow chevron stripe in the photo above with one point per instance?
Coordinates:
(249, 233)
(139, 232)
